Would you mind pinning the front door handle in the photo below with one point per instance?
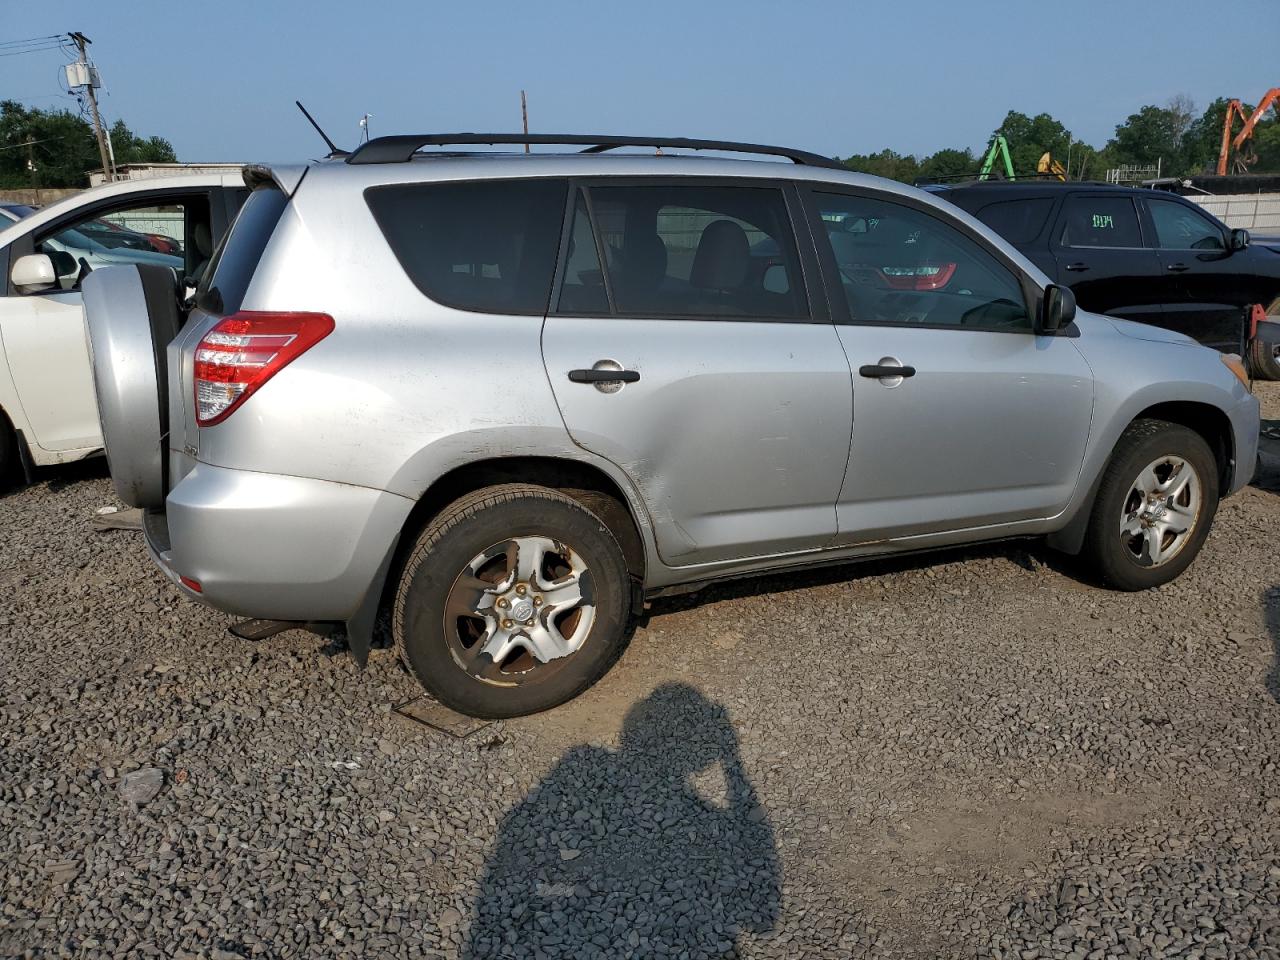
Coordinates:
(604, 376)
(881, 371)
(1178, 267)
(1077, 267)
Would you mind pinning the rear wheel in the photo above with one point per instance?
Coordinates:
(1154, 506)
(514, 600)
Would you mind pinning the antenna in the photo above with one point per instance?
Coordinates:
(334, 151)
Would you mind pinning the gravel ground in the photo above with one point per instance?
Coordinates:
(974, 755)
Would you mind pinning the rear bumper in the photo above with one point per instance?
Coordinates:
(1245, 423)
(274, 547)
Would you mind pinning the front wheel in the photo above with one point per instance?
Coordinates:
(1266, 365)
(1154, 507)
(515, 599)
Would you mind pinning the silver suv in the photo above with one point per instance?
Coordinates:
(510, 397)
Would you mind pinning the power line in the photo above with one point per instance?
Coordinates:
(18, 43)
(51, 46)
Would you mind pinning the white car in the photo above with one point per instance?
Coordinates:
(48, 414)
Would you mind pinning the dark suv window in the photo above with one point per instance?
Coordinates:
(486, 245)
(1179, 227)
(1100, 221)
(697, 251)
(1018, 221)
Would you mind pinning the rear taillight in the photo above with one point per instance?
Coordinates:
(244, 351)
(919, 278)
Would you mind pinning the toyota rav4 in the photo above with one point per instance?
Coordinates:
(509, 397)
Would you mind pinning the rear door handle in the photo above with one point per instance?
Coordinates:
(1077, 267)
(604, 376)
(878, 371)
(1178, 267)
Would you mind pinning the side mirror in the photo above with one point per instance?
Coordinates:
(1057, 309)
(33, 273)
(1239, 239)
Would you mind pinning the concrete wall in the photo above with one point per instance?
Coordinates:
(1256, 212)
(36, 198)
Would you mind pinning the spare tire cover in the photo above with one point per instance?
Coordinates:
(131, 314)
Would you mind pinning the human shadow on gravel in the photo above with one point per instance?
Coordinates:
(1271, 605)
(616, 853)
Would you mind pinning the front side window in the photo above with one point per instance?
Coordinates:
(699, 251)
(151, 234)
(488, 246)
(1100, 222)
(900, 265)
(1179, 227)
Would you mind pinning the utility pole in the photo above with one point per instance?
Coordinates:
(80, 41)
(524, 116)
(31, 167)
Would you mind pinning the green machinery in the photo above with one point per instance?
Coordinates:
(997, 149)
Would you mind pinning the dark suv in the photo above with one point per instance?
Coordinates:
(1138, 254)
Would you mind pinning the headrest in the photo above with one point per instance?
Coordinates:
(723, 256)
(203, 239)
(641, 262)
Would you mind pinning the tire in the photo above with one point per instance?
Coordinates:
(10, 467)
(463, 563)
(1133, 540)
(1263, 363)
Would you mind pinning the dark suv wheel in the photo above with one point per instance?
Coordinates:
(1154, 507)
(1264, 347)
(514, 599)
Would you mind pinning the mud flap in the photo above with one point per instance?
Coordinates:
(359, 627)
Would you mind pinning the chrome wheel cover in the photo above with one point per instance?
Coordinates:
(518, 610)
(1161, 511)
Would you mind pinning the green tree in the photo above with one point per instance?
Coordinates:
(1149, 137)
(134, 149)
(1203, 140)
(948, 162)
(1031, 137)
(887, 163)
(63, 148)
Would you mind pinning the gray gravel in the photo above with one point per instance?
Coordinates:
(974, 755)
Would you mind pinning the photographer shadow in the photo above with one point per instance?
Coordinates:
(617, 853)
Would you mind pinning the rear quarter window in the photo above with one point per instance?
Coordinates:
(1018, 221)
(487, 246)
(227, 277)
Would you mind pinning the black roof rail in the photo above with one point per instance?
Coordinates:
(400, 148)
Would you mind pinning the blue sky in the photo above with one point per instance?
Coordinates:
(219, 79)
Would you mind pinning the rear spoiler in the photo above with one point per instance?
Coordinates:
(286, 177)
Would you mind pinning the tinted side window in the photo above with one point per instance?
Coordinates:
(1100, 222)
(1018, 221)
(582, 290)
(1179, 227)
(227, 277)
(899, 265)
(699, 251)
(488, 246)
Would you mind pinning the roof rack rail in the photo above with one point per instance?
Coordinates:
(401, 147)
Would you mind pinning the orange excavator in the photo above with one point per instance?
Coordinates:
(1236, 109)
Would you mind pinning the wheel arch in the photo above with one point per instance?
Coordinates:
(1207, 420)
(587, 483)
